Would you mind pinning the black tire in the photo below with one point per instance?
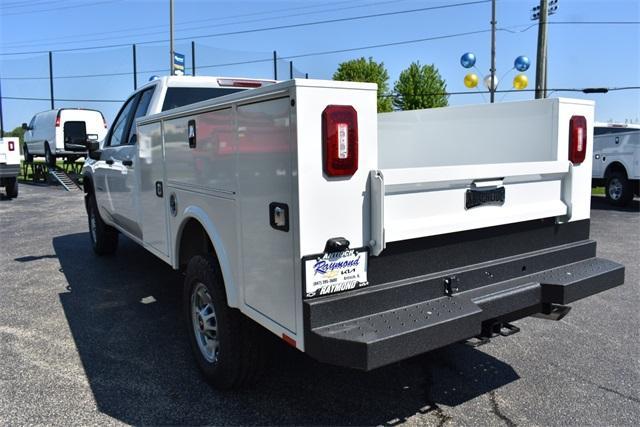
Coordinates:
(28, 157)
(241, 352)
(49, 157)
(618, 189)
(104, 238)
(11, 187)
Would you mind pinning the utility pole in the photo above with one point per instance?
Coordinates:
(541, 56)
(171, 69)
(492, 87)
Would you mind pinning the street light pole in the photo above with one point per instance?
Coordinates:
(171, 68)
(492, 86)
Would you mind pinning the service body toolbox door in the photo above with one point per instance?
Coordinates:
(265, 175)
(152, 188)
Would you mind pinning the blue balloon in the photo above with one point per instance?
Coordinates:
(521, 63)
(468, 60)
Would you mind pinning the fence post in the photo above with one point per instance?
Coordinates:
(1, 119)
(135, 69)
(291, 70)
(275, 65)
(193, 58)
(51, 78)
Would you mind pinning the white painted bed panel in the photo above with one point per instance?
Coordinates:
(333, 207)
(419, 214)
(511, 132)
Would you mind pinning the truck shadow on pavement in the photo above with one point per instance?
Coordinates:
(124, 315)
(600, 203)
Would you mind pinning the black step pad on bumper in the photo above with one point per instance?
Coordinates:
(384, 337)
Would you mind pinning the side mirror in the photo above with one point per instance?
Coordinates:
(25, 126)
(93, 147)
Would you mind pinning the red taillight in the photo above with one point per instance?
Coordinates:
(11, 146)
(340, 140)
(577, 139)
(58, 120)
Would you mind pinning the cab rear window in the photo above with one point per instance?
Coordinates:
(181, 96)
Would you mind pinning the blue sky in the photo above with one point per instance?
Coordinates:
(579, 55)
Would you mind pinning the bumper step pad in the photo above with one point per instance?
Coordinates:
(384, 337)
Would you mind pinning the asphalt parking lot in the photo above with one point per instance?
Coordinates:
(88, 340)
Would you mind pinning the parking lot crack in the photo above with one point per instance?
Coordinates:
(495, 408)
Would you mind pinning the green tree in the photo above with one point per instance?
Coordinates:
(361, 70)
(420, 86)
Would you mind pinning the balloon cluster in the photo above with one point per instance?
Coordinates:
(520, 81)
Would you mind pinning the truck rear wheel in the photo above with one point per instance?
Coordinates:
(618, 189)
(228, 347)
(104, 238)
(11, 186)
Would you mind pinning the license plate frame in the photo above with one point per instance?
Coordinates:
(477, 197)
(323, 275)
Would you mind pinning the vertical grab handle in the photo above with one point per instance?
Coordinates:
(376, 198)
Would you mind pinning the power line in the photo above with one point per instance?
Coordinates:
(255, 61)
(255, 30)
(14, 4)
(136, 33)
(584, 90)
(84, 4)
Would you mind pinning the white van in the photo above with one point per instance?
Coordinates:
(61, 132)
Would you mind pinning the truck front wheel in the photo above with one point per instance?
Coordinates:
(618, 189)
(104, 238)
(227, 346)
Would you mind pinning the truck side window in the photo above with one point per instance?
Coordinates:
(32, 122)
(141, 111)
(119, 126)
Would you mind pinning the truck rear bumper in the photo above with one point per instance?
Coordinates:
(375, 326)
(9, 171)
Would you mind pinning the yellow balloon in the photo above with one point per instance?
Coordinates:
(471, 80)
(520, 82)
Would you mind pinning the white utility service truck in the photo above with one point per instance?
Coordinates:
(9, 165)
(359, 238)
(616, 161)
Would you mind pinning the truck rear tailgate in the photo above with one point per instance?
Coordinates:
(463, 168)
